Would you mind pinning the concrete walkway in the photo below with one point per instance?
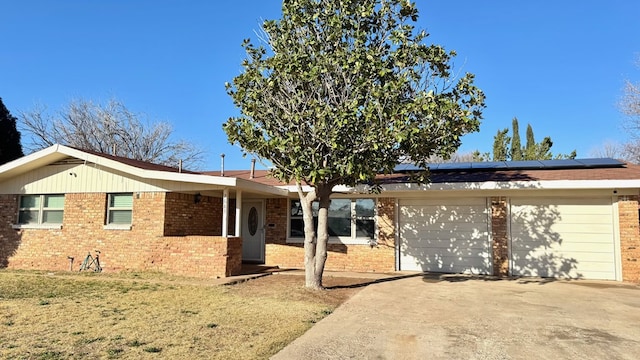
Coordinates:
(460, 317)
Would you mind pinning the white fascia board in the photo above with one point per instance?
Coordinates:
(252, 186)
(518, 185)
(490, 185)
(43, 156)
(307, 188)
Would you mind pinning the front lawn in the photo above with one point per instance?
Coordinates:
(133, 316)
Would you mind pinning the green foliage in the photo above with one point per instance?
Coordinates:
(345, 89)
(10, 146)
(516, 146)
(501, 145)
(531, 151)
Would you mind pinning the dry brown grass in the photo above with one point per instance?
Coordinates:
(138, 316)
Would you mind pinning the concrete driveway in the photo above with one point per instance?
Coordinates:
(459, 317)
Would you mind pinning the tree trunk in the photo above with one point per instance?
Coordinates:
(315, 244)
(322, 232)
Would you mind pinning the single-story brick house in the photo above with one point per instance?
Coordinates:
(568, 219)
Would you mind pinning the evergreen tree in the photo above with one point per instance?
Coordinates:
(543, 150)
(501, 145)
(516, 146)
(10, 147)
(530, 149)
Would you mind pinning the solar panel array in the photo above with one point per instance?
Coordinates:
(517, 165)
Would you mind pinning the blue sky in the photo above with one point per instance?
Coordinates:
(559, 65)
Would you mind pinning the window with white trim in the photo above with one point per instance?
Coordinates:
(348, 219)
(41, 209)
(120, 209)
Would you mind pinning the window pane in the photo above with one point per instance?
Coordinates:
(365, 228)
(339, 226)
(340, 217)
(54, 201)
(340, 208)
(28, 217)
(120, 217)
(30, 201)
(365, 208)
(297, 228)
(121, 201)
(296, 208)
(52, 217)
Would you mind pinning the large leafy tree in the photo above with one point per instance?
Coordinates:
(10, 146)
(108, 128)
(342, 90)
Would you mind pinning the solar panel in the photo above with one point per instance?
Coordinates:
(560, 163)
(516, 165)
(489, 165)
(453, 166)
(603, 162)
(524, 165)
(406, 167)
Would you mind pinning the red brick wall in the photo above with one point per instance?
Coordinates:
(500, 235)
(629, 238)
(200, 256)
(379, 258)
(184, 217)
(144, 247)
(9, 240)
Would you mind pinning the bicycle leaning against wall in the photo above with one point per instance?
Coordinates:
(91, 263)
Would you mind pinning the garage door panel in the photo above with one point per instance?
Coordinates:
(449, 235)
(603, 218)
(562, 237)
(450, 202)
(562, 202)
(444, 244)
(442, 252)
(451, 264)
(439, 231)
(523, 256)
(439, 216)
(569, 231)
(535, 220)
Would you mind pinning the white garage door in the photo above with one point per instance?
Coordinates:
(450, 235)
(563, 237)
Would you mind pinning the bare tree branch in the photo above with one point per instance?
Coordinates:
(104, 127)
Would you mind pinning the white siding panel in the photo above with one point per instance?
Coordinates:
(54, 179)
(563, 237)
(446, 235)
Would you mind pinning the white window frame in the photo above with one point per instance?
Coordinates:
(41, 209)
(345, 240)
(108, 225)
